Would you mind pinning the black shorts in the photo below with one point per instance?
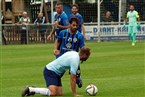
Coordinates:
(51, 78)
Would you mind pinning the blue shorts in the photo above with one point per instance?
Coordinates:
(51, 78)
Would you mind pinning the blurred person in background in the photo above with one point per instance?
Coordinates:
(75, 13)
(40, 21)
(24, 21)
(108, 18)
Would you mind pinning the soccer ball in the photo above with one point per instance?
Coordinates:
(91, 90)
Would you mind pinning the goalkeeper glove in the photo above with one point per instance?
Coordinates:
(124, 24)
(138, 25)
(79, 82)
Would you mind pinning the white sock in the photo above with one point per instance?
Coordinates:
(42, 91)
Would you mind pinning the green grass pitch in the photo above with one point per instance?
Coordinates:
(116, 68)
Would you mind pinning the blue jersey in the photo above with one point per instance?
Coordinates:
(69, 60)
(81, 21)
(62, 19)
(70, 41)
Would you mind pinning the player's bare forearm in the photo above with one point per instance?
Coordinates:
(52, 32)
(139, 19)
(56, 44)
(73, 83)
(62, 27)
(83, 29)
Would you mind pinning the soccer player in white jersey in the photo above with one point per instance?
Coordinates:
(54, 71)
(134, 23)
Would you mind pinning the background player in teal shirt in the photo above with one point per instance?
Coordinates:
(132, 18)
(54, 71)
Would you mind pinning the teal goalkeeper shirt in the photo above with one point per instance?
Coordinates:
(132, 17)
(69, 60)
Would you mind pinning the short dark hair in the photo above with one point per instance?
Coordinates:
(85, 50)
(75, 5)
(59, 3)
(131, 5)
(74, 19)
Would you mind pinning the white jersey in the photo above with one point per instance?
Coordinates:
(69, 60)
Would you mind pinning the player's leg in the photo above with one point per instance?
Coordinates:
(130, 32)
(53, 82)
(134, 34)
(59, 91)
(59, 88)
(53, 89)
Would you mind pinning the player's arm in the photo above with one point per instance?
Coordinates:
(126, 20)
(138, 19)
(60, 26)
(73, 83)
(51, 33)
(83, 30)
(81, 41)
(73, 69)
(56, 45)
(65, 23)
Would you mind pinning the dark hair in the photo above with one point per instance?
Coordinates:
(59, 3)
(85, 50)
(75, 5)
(131, 5)
(73, 19)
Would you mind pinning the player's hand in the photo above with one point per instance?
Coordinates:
(138, 25)
(77, 95)
(85, 37)
(56, 52)
(124, 25)
(49, 37)
(56, 23)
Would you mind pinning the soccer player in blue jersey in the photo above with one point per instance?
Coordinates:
(61, 21)
(134, 23)
(70, 40)
(75, 13)
(54, 71)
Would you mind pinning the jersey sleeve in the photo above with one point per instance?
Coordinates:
(127, 15)
(81, 41)
(74, 66)
(137, 16)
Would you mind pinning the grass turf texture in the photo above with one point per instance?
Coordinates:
(116, 68)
